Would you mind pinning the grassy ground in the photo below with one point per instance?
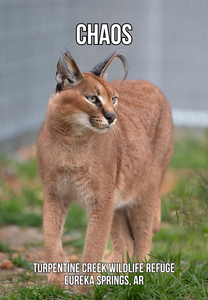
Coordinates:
(182, 239)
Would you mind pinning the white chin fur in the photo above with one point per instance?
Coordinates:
(81, 122)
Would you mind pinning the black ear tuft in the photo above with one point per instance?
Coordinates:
(67, 73)
(101, 68)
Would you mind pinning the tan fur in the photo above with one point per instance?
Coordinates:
(116, 174)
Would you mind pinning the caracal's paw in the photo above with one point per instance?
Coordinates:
(84, 289)
(57, 279)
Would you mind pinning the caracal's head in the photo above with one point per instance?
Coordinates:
(84, 101)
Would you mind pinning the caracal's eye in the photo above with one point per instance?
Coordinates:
(114, 99)
(92, 98)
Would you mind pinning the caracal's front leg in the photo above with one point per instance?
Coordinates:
(99, 224)
(54, 215)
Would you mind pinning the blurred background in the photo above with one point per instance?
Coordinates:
(169, 48)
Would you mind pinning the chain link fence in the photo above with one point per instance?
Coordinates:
(169, 48)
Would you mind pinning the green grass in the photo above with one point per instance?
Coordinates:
(18, 290)
(185, 221)
(183, 237)
(190, 150)
(189, 281)
(22, 263)
(5, 247)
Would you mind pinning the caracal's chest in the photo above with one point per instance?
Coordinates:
(80, 191)
(84, 175)
(83, 185)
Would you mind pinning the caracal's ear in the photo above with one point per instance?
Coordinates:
(101, 68)
(68, 74)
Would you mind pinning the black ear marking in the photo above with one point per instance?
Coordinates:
(101, 68)
(67, 73)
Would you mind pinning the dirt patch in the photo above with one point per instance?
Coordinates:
(16, 236)
(28, 244)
